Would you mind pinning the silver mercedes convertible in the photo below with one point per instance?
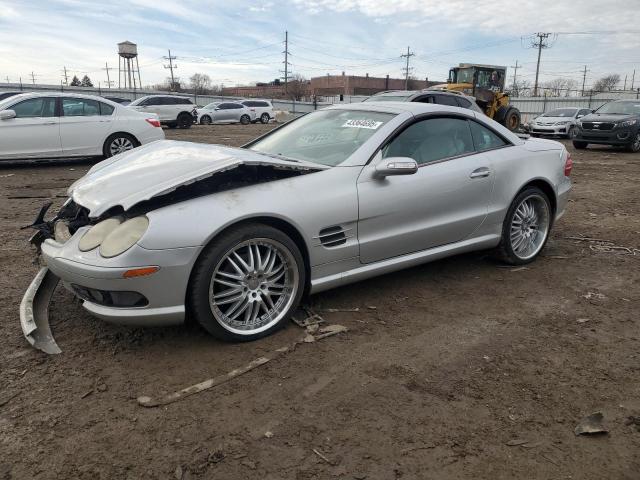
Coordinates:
(234, 237)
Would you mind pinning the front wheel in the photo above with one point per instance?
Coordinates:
(573, 131)
(247, 283)
(185, 120)
(526, 227)
(580, 145)
(245, 120)
(634, 146)
(205, 120)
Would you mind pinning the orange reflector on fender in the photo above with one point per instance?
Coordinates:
(140, 272)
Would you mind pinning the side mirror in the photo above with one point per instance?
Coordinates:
(392, 166)
(7, 114)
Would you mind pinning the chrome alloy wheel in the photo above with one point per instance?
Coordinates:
(253, 286)
(529, 227)
(119, 145)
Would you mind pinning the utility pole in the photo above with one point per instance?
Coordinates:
(584, 79)
(540, 43)
(33, 78)
(8, 79)
(286, 60)
(633, 79)
(515, 73)
(624, 89)
(407, 55)
(171, 66)
(64, 74)
(106, 68)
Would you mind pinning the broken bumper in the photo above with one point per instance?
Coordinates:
(34, 311)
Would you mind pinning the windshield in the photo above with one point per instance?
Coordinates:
(621, 108)
(465, 75)
(561, 112)
(137, 101)
(327, 137)
(211, 105)
(389, 98)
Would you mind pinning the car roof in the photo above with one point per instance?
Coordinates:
(415, 108)
(58, 95)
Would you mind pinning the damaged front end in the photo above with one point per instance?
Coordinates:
(34, 307)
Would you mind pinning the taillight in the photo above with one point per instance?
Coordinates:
(153, 122)
(568, 165)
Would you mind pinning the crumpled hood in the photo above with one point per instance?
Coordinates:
(159, 168)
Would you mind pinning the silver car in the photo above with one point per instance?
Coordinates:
(226, 112)
(561, 121)
(236, 236)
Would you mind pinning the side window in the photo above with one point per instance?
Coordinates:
(446, 100)
(251, 104)
(431, 140)
(106, 109)
(261, 104)
(80, 107)
(183, 101)
(236, 106)
(463, 102)
(485, 139)
(166, 101)
(224, 106)
(35, 107)
(425, 99)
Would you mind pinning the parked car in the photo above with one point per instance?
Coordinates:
(51, 125)
(263, 110)
(561, 122)
(439, 97)
(5, 95)
(226, 112)
(172, 110)
(120, 100)
(235, 236)
(615, 123)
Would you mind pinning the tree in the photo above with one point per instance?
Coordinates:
(200, 83)
(606, 84)
(75, 82)
(522, 88)
(86, 82)
(297, 87)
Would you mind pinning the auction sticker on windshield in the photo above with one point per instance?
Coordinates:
(362, 123)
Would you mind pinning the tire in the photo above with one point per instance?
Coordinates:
(185, 120)
(580, 145)
(526, 227)
(118, 143)
(512, 119)
(634, 146)
(230, 298)
(205, 120)
(245, 120)
(572, 132)
(264, 118)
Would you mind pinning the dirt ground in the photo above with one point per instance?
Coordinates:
(463, 370)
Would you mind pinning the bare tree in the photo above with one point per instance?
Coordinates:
(200, 83)
(606, 84)
(297, 87)
(554, 87)
(522, 88)
(571, 85)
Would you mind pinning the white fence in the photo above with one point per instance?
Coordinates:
(529, 106)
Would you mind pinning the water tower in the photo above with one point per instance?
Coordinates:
(128, 55)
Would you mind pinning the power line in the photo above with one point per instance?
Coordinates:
(407, 55)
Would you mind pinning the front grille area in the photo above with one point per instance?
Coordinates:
(597, 126)
(111, 298)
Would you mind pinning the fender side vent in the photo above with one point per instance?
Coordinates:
(332, 236)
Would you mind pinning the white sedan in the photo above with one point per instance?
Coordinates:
(51, 125)
(226, 112)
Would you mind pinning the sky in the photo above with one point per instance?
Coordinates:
(241, 42)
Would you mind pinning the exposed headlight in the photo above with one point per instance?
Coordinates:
(561, 123)
(61, 231)
(124, 236)
(628, 123)
(96, 234)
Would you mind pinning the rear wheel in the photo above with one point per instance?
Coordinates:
(245, 120)
(264, 118)
(247, 283)
(512, 119)
(118, 143)
(580, 145)
(526, 227)
(185, 120)
(205, 120)
(634, 146)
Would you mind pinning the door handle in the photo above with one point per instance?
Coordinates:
(480, 173)
(49, 123)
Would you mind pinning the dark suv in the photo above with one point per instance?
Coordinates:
(438, 97)
(614, 123)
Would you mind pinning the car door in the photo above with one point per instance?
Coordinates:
(82, 129)
(33, 132)
(223, 113)
(443, 202)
